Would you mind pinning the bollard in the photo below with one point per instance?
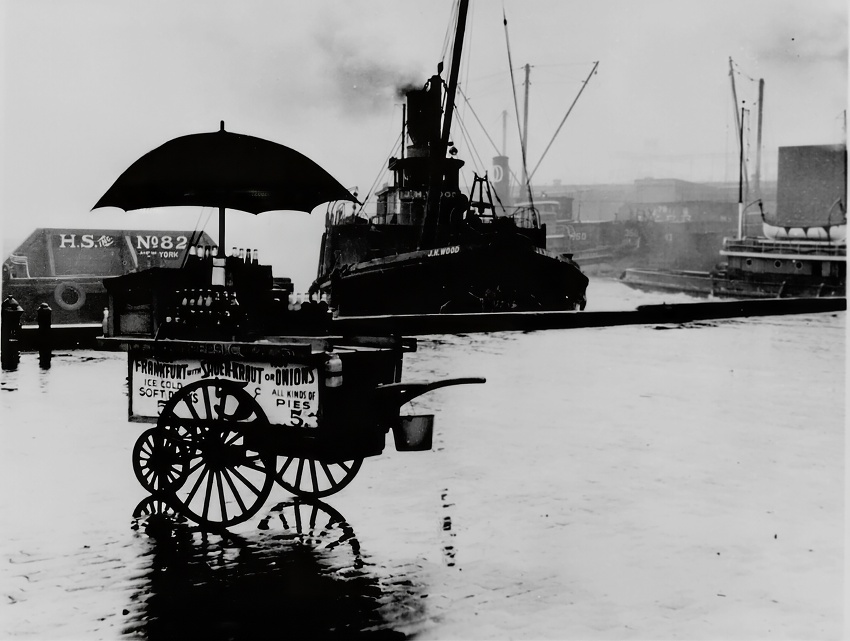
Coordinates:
(45, 335)
(10, 323)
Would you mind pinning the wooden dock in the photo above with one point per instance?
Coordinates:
(62, 336)
(85, 336)
(412, 325)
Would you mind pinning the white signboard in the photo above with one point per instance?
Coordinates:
(288, 394)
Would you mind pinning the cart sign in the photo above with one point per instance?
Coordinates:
(288, 394)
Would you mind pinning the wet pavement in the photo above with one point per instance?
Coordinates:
(636, 482)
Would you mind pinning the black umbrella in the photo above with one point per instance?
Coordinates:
(224, 170)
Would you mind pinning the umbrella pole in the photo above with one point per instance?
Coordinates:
(221, 243)
(218, 275)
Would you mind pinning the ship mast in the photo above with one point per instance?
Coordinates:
(525, 130)
(741, 178)
(438, 152)
(739, 121)
(757, 177)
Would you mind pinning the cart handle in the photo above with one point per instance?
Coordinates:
(400, 393)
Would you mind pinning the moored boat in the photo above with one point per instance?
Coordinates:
(791, 258)
(65, 267)
(431, 249)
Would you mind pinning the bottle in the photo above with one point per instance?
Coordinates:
(234, 253)
(234, 313)
(193, 254)
(241, 254)
(208, 299)
(256, 258)
(248, 256)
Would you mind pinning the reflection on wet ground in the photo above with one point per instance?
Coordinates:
(299, 574)
(605, 483)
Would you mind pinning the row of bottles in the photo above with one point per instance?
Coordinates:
(203, 312)
(248, 256)
(204, 252)
(300, 301)
(208, 252)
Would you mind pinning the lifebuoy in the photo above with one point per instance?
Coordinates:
(65, 287)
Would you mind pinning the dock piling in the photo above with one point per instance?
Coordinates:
(10, 323)
(45, 335)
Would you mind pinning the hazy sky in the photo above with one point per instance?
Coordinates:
(90, 85)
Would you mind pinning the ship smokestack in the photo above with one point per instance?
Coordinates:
(423, 117)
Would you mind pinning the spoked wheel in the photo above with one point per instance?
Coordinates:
(311, 478)
(159, 460)
(227, 476)
(156, 506)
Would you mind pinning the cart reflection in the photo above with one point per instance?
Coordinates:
(301, 573)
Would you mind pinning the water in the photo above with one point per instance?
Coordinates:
(625, 482)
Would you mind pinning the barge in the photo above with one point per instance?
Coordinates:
(64, 268)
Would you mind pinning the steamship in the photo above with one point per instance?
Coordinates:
(802, 251)
(431, 249)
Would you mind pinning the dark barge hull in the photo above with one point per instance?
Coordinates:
(723, 285)
(490, 276)
(65, 268)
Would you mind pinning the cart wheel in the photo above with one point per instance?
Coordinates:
(156, 506)
(228, 477)
(311, 478)
(159, 460)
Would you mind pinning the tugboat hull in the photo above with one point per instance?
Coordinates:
(469, 278)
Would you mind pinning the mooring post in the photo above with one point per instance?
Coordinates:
(45, 335)
(10, 323)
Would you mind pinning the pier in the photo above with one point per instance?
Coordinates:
(412, 325)
(85, 335)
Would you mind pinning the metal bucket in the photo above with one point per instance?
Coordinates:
(414, 433)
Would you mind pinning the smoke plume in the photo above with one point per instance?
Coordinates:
(362, 82)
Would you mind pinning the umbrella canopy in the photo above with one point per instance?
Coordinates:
(225, 170)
